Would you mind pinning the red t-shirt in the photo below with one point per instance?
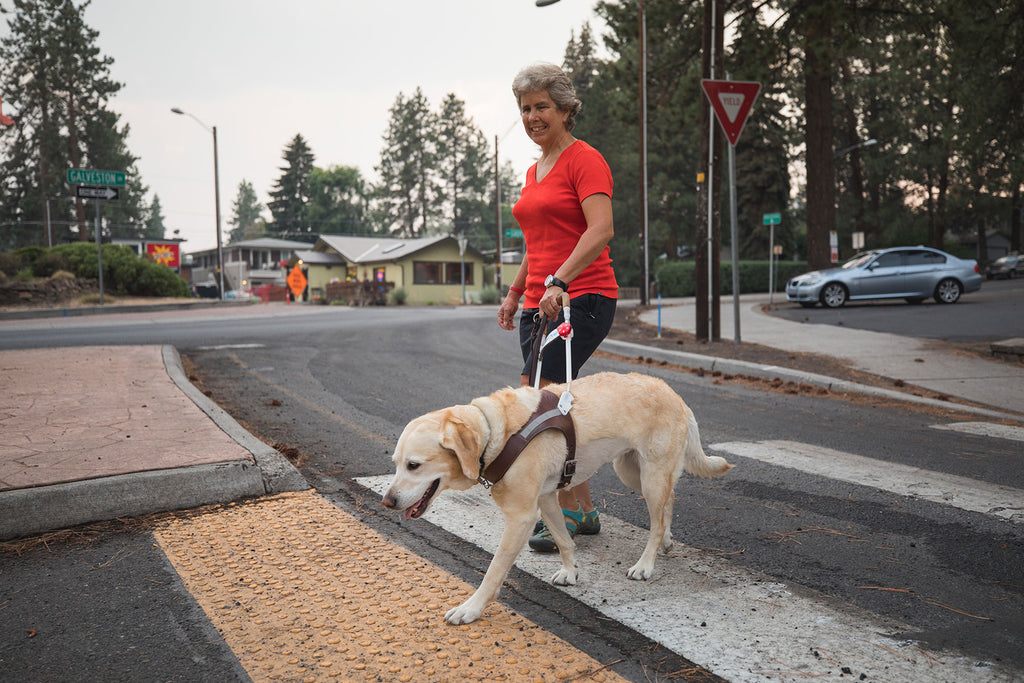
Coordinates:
(552, 221)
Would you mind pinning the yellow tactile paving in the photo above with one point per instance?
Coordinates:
(302, 591)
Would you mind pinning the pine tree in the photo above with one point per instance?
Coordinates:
(155, 229)
(246, 217)
(408, 188)
(462, 160)
(291, 193)
(55, 79)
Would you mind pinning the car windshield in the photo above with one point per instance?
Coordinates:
(859, 260)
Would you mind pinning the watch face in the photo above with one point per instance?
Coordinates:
(548, 280)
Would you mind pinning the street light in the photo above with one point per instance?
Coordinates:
(645, 266)
(216, 196)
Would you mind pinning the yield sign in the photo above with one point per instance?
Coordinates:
(731, 101)
(296, 281)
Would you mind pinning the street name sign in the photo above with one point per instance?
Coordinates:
(511, 233)
(94, 192)
(731, 101)
(85, 176)
(772, 218)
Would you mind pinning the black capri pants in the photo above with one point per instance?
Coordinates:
(591, 317)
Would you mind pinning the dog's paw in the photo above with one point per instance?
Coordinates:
(640, 572)
(463, 614)
(565, 577)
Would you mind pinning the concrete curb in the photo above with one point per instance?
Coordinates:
(43, 508)
(79, 311)
(278, 475)
(739, 367)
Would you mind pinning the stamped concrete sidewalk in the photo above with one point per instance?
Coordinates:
(97, 432)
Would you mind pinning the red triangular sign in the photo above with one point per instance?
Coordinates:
(731, 101)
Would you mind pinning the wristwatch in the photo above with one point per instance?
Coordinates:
(551, 280)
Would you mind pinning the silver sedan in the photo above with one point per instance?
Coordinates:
(911, 273)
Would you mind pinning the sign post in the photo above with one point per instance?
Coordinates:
(771, 220)
(731, 102)
(87, 181)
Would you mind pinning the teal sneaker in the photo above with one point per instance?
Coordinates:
(588, 526)
(542, 542)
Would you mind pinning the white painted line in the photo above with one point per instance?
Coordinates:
(225, 347)
(1003, 502)
(985, 429)
(739, 624)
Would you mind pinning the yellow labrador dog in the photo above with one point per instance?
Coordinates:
(635, 421)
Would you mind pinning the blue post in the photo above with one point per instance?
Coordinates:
(659, 316)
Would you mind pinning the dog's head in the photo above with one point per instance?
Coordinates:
(440, 450)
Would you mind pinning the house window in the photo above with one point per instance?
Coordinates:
(378, 274)
(451, 272)
(439, 272)
(427, 272)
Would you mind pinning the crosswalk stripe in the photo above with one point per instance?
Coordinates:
(999, 501)
(999, 431)
(738, 623)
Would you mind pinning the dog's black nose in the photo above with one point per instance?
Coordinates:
(388, 501)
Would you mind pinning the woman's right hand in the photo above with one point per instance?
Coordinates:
(507, 312)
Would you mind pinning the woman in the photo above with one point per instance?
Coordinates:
(565, 213)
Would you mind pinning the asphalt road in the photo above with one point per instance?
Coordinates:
(993, 313)
(341, 396)
(335, 387)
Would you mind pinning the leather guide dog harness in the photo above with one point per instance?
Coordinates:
(546, 416)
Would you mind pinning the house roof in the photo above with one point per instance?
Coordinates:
(376, 249)
(319, 258)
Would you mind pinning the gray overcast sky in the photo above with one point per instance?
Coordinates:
(328, 69)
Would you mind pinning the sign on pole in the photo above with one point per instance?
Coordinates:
(772, 218)
(296, 281)
(511, 233)
(731, 101)
(85, 176)
(94, 192)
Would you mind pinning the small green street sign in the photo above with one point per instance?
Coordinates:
(85, 176)
(772, 218)
(513, 232)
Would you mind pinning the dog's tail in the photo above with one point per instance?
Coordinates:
(695, 460)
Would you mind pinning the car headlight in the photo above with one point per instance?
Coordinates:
(808, 281)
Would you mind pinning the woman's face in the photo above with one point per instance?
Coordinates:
(542, 120)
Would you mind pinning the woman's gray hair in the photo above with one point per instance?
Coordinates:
(558, 85)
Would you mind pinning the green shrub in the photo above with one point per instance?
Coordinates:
(399, 296)
(490, 295)
(678, 278)
(24, 275)
(93, 299)
(29, 255)
(124, 272)
(9, 264)
(49, 263)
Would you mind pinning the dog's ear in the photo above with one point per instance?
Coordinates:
(465, 440)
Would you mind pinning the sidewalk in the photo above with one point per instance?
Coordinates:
(97, 433)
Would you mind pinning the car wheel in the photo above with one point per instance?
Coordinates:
(948, 291)
(833, 295)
